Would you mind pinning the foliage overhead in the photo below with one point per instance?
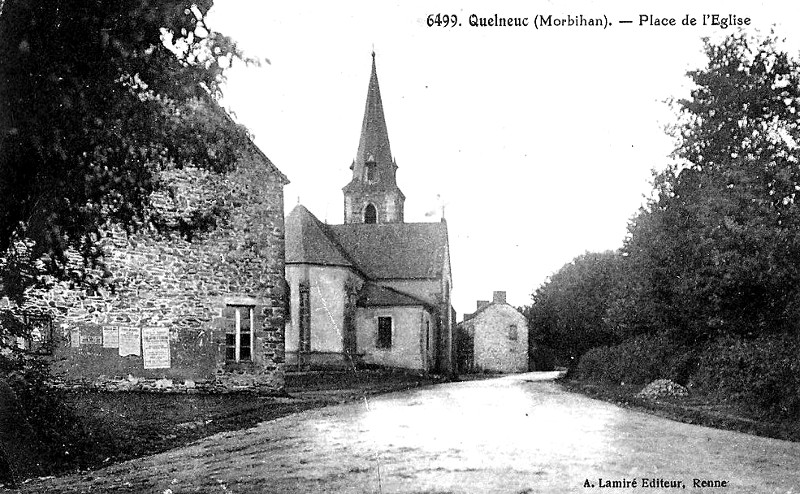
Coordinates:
(716, 251)
(568, 312)
(95, 99)
(706, 288)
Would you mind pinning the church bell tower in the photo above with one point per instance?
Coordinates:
(372, 196)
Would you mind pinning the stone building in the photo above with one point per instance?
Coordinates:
(182, 312)
(494, 338)
(374, 290)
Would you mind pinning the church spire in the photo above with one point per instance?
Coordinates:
(372, 196)
(373, 145)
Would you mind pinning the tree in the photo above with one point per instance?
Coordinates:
(96, 98)
(715, 251)
(569, 312)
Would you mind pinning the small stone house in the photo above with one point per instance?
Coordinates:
(494, 338)
(182, 313)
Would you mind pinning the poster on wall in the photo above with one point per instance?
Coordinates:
(110, 336)
(155, 348)
(91, 335)
(75, 338)
(129, 341)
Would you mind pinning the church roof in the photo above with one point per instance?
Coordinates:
(379, 251)
(307, 241)
(395, 250)
(372, 295)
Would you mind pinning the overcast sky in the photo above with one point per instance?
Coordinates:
(540, 142)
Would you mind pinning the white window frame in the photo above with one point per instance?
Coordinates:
(238, 309)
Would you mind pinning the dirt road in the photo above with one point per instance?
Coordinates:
(516, 434)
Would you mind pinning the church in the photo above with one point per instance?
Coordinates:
(374, 290)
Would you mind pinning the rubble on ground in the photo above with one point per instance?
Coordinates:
(661, 388)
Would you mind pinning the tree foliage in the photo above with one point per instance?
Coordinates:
(569, 311)
(707, 282)
(96, 98)
(716, 251)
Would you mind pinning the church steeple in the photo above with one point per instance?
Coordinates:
(372, 196)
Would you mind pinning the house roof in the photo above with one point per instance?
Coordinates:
(307, 241)
(379, 251)
(372, 295)
(469, 317)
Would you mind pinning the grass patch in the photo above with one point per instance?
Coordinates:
(122, 425)
(697, 408)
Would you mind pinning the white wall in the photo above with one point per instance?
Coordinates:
(408, 332)
(327, 296)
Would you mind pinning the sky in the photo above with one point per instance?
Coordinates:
(539, 144)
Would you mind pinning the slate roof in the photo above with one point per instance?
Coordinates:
(469, 317)
(372, 295)
(395, 250)
(373, 144)
(379, 251)
(307, 241)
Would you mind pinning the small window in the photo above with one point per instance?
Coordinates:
(371, 172)
(427, 336)
(370, 214)
(239, 338)
(384, 332)
(512, 332)
(305, 318)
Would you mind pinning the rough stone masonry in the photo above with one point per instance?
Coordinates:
(183, 312)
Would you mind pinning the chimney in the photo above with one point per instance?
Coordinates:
(499, 298)
(482, 304)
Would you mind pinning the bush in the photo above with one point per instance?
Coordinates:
(638, 360)
(761, 375)
(61, 439)
(543, 358)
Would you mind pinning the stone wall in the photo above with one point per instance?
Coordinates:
(184, 285)
(388, 205)
(494, 347)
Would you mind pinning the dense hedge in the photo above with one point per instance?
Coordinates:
(638, 360)
(761, 376)
(542, 358)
